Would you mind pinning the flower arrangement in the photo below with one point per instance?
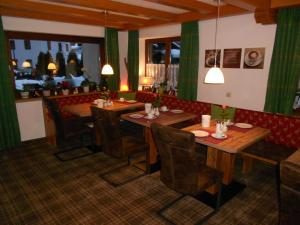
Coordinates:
(65, 85)
(224, 114)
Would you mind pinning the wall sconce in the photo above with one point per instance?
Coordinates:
(146, 82)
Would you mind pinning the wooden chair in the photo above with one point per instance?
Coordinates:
(71, 133)
(107, 124)
(181, 167)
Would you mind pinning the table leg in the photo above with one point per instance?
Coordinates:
(152, 153)
(222, 161)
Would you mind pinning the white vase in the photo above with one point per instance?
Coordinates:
(65, 92)
(24, 94)
(86, 89)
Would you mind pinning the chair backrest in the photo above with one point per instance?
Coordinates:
(53, 109)
(107, 124)
(179, 164)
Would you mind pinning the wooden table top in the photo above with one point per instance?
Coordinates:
(83, 110)
(237, 139)
(165, 118)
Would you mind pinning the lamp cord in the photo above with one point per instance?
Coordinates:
(105, 33)
(217, 22)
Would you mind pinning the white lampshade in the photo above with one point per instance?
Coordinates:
(107, 70)
(26, 64)
(146, 81)
(214, 76)
(51, 66)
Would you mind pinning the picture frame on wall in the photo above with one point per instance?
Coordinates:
(210, 58)
(232, 58)
(27, 44)
(254, 58)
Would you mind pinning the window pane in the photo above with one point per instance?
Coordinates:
(157, 53)
(175, 52)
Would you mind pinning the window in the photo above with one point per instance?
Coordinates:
(75, 58)
(162, 61)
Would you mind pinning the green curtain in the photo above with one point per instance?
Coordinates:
(9, 126)
(133, 60)
(285, 64)
(112, 49)
(189, 60)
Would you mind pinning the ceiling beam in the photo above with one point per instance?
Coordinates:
(191, 5)
(226, 10)
(120, 7)
(284, 3)
(250, 5)
(111, 21)
(6, 11)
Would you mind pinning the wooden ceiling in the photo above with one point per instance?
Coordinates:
(136, 14)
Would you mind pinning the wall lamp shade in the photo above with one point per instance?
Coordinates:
(214, 76)
(26, 64)
(51, 66)
(107, 70)
(146, 81)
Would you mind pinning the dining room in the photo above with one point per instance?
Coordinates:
(155, 132)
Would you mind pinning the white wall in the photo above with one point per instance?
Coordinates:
(31, 119)
(247, 87)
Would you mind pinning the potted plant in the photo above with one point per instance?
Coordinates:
(25, 92)
(85, 85)
(65, 87)
(47, 87)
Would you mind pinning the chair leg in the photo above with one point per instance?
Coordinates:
(161, 211)
(103, 176)
(218, 203)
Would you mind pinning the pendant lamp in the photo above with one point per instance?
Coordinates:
(214, 74)
(106, 69)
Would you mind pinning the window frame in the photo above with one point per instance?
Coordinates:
(168, 42)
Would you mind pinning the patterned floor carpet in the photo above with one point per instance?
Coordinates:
(37, 189)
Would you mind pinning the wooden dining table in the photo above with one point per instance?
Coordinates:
(221, 153)
(165, 118)
(83, 109)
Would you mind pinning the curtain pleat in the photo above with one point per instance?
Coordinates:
(9, 126)
(285, 65)
(189, 60)
(133, 60)
(112, 49)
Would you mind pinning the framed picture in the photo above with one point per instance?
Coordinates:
(254, 58)
(232, 58)
(27, 44)
(210, 58)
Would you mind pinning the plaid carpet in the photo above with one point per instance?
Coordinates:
(37, 189)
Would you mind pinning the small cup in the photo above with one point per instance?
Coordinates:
(122, 99)
(164, 108)
(148, 107)
(205, 120)
(150, 116)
